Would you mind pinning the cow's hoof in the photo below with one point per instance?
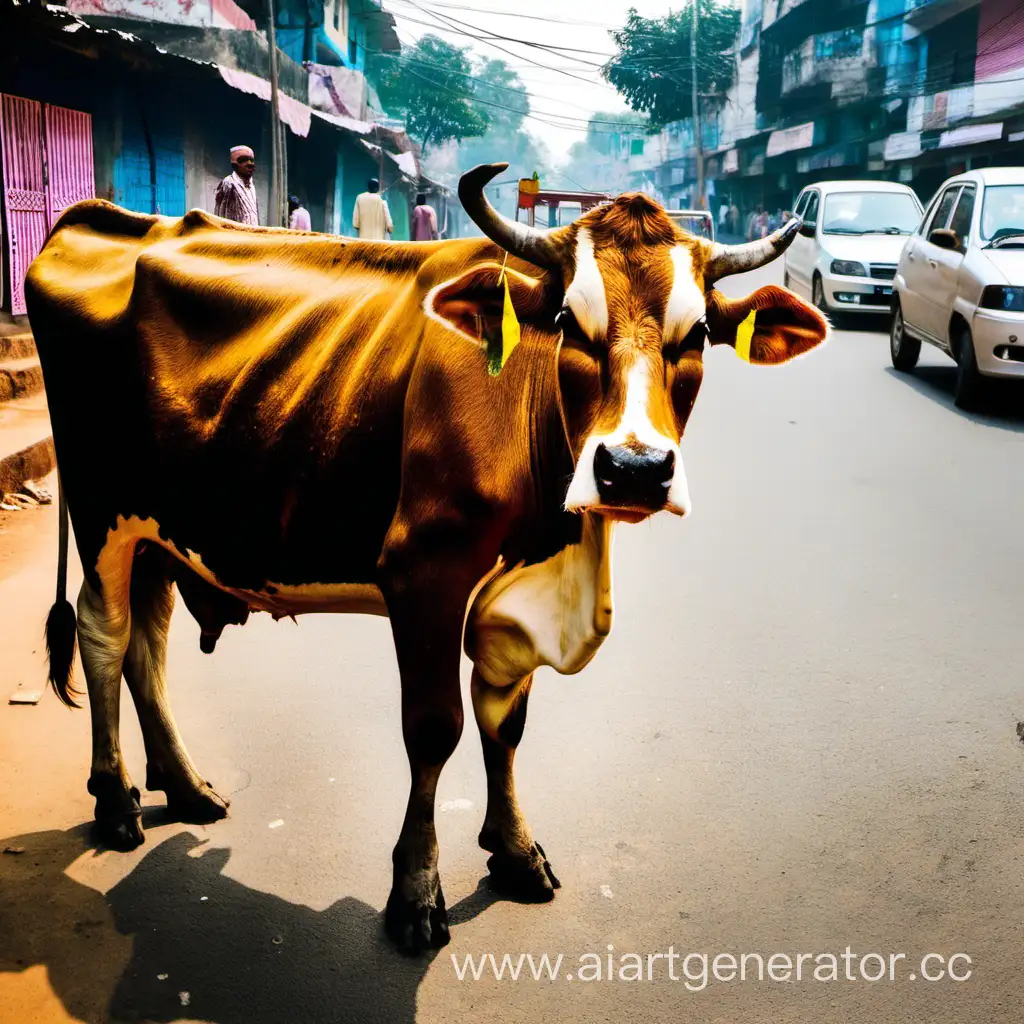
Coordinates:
(523, 877)
(191, 806)
(415, 926)
(118, 812)
(198, 808)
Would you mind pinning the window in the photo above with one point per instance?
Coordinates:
(811, 211)
(940, 218)
(337, 13)
(801, 203)
(961, 222)
(1002, 212)
(636, 147)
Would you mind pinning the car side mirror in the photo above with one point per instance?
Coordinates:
(945, 238)
(808, 228)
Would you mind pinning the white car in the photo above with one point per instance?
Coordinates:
(845, 256)
(960, 281)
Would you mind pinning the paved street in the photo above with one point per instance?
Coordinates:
(801, 736)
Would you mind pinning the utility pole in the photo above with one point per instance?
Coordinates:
(698, 135)
(276, 215)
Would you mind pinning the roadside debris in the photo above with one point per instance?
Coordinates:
(25, 697)
(14, 850)
(185, 997)
(37, 493)
(162, 977)
(606, 891)
(461, 804)
(276, 823)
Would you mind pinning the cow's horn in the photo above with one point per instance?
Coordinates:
(531, 244)
(736, 259)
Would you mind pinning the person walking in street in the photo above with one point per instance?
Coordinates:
(298, 215)
(424, 220)
(235, 198)
(371, 218)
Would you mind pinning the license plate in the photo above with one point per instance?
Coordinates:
(883, 291)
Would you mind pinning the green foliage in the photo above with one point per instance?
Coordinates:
(652, 68)
(430, 87)
(497, 87)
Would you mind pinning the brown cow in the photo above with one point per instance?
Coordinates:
(291, 422)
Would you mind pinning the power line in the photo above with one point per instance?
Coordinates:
(520, 56)
(514, 14)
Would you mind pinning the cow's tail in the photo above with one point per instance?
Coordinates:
(62, 623)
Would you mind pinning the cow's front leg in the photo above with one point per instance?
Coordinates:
(517, 863)
(426, 605)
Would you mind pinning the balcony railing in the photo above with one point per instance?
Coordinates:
(822, 58)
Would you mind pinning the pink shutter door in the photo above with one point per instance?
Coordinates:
(68, 160)
(24, 190)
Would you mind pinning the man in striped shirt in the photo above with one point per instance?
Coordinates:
(235, 198)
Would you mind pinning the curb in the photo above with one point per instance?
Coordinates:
(17, 346)
(17, 383)
(31, 463)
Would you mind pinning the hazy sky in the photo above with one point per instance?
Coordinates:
(562, 99)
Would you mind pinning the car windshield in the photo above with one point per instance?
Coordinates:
(865, 213)
(1002, 212)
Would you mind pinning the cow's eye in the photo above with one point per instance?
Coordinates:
(567, 323)
(693, 342)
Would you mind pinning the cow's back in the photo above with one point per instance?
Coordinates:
(242, 387)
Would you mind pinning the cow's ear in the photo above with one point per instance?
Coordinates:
(473, 302)
(772, 325)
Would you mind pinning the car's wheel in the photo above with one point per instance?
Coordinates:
(818, 295)
(970, 385)
(903, 349)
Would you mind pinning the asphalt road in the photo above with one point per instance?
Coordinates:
(800, 737)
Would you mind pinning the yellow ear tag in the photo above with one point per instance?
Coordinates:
(496, 359)
(744, 334)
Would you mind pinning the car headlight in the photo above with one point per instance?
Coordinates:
(849, 268)
(998, 297)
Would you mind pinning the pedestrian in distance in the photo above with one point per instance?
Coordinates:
(424, 220)
(371, 218)
(298, 215)
(235, 198)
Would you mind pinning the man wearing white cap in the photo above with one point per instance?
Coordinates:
(235, 198)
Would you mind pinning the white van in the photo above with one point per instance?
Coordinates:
(853, 232)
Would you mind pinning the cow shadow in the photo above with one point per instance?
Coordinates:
(1002, 406)
(177, 938)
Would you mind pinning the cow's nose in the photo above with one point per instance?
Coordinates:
(632, 475)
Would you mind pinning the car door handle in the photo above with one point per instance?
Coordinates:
(911, 256)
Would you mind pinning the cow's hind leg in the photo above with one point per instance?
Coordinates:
(168, 766)
(104, 627)
(517, 863)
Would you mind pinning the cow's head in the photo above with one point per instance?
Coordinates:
(636, 304)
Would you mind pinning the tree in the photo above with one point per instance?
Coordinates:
(501, 92)
(503, 98)
(652, 68)
(430, 87)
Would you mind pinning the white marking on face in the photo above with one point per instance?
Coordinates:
(585, 295)
(635, 424)
(686, 303)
